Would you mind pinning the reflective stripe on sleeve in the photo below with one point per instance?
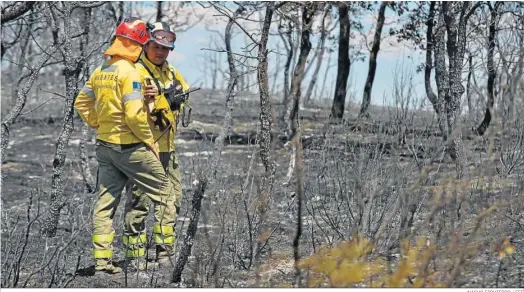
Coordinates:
(88, 91)
(132, 96)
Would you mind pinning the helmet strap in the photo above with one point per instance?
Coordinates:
(140, 56)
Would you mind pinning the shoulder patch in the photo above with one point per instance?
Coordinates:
(137, 86)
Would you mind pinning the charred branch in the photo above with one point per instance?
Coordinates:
(15, 11)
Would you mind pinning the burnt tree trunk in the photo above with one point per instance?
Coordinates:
(241, 81)
(492, 72)
(121, 11)
(441, 76)
(513, 75)
(26, 44)
(339, 100)
(435, 41)
(291, 117)
(159, 13)
(214, 71)
(203, 178)
(298, 75)
(89, 182)
(308, 12)
(366, 98)
(289, 45)
(275, 75)
(468, 84)
(455, 18)
(516, 75)
(265, 135)
(265, 102)
(300, 199)
(72, 66)
(322, 45)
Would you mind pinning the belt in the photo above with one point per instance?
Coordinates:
(119, 147)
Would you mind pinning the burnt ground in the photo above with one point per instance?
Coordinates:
(357, 178)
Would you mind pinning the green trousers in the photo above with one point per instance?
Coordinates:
(117, 166)
(137, 207)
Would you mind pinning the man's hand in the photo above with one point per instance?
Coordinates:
(150, 92)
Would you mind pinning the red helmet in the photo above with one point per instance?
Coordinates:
(135, 29)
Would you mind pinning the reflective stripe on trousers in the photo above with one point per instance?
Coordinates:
(163, 234)
(100, 241)
(135, 244)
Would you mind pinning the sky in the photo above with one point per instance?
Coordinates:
(192, 46)
(192, 52)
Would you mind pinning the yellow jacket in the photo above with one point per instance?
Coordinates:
(112, 102)
(165, 76)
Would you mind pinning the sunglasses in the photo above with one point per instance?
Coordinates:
(165, 36)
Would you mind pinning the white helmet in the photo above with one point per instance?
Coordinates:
(162, 34)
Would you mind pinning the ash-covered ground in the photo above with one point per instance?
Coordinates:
(358, 177)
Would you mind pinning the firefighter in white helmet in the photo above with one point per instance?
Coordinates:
(153, 66)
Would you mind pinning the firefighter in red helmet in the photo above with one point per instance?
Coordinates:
(112, 101)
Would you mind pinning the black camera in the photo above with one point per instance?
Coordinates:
(175, 97)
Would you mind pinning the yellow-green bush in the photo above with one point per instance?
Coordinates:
(351, 263)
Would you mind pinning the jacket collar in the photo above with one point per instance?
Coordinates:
(164, 68)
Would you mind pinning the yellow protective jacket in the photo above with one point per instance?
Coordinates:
(165, 75)
(112, 102)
